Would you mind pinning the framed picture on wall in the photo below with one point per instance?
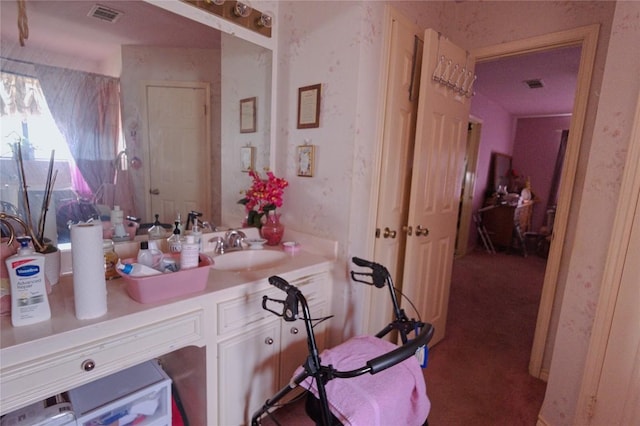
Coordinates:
(248, 115)
(247, 158)
(309, 106)
(306, 159)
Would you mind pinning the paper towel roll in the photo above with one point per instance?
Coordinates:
(87, 257)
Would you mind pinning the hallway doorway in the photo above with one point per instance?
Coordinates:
(585, 38)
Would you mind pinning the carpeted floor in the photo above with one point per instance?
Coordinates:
(477, 376)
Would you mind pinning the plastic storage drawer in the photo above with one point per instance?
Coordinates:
(139, 395)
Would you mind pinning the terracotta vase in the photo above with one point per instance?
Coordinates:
(272, 229)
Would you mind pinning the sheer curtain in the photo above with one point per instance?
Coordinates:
(86, 108)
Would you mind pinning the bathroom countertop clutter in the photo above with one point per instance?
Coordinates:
(64, 352)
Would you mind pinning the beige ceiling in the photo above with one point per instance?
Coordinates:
(77, 34)
(81, 36)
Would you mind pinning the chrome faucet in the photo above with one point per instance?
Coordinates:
(232, 241)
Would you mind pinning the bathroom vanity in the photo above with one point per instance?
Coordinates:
(225, 354)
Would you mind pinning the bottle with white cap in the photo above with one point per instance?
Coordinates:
(117, 222)
(190, 253)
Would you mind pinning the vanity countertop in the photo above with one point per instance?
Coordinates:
(120, 307)
(40, 360)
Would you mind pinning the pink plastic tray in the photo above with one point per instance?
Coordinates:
(161, 287)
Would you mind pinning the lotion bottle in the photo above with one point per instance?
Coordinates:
(189, 255)
(29, 301)
(197, 234)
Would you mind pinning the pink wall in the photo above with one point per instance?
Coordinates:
(534, 155)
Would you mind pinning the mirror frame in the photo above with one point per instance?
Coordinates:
(501, 164)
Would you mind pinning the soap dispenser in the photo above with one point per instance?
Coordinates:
(175, 240)
(156, 231)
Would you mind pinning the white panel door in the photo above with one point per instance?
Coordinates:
(438, 158)
(178, 149)
(395, 172)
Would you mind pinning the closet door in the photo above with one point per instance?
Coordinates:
(438, 159)
(397, 152)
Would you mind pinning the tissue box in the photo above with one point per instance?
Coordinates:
(140, 395)
(156, 288)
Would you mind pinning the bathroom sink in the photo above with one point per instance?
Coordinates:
(248, 260)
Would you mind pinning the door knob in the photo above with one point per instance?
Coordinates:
(154, 191)
(268, 341)
(421, 231)
(408, 229)
(388, 233)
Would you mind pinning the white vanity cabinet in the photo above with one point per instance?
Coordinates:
(56, 362)
(224, 353)
(259, 351)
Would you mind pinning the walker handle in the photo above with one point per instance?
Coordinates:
(403, 352)
(378, 275)
(361, 262)
(290, 311)
(280, 283)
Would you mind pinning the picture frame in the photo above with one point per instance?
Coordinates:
(247, 158)
(248, 115)
(305, 160)
(309, 106)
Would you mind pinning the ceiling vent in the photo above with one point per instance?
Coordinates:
(105, 13)
(534, 84)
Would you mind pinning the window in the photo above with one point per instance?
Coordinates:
(26, 117)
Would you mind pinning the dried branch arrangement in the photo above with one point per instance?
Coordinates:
(36, 233)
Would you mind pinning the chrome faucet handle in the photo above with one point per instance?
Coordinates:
(234, 239)
(220, 245)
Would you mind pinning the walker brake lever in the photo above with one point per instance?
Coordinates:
(361, 274)
(289, 307)
(266, 299)
(377, 277)
(379, 273)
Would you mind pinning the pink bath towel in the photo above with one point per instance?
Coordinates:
(395, 396)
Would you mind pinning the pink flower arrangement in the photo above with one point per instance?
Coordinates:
(263, 195)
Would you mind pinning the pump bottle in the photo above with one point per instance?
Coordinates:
(29, 301)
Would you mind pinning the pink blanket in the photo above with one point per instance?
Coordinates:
(395, 396)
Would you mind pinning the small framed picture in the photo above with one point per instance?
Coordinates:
(248, 115)
(247, 158)
(306, 154)
(309, 106)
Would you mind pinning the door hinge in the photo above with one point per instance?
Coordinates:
(591, 406)
(377, 232)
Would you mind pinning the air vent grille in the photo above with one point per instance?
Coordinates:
(534, 84)
(105, 13)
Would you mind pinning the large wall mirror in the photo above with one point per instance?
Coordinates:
(173, 157)
(499, 170)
